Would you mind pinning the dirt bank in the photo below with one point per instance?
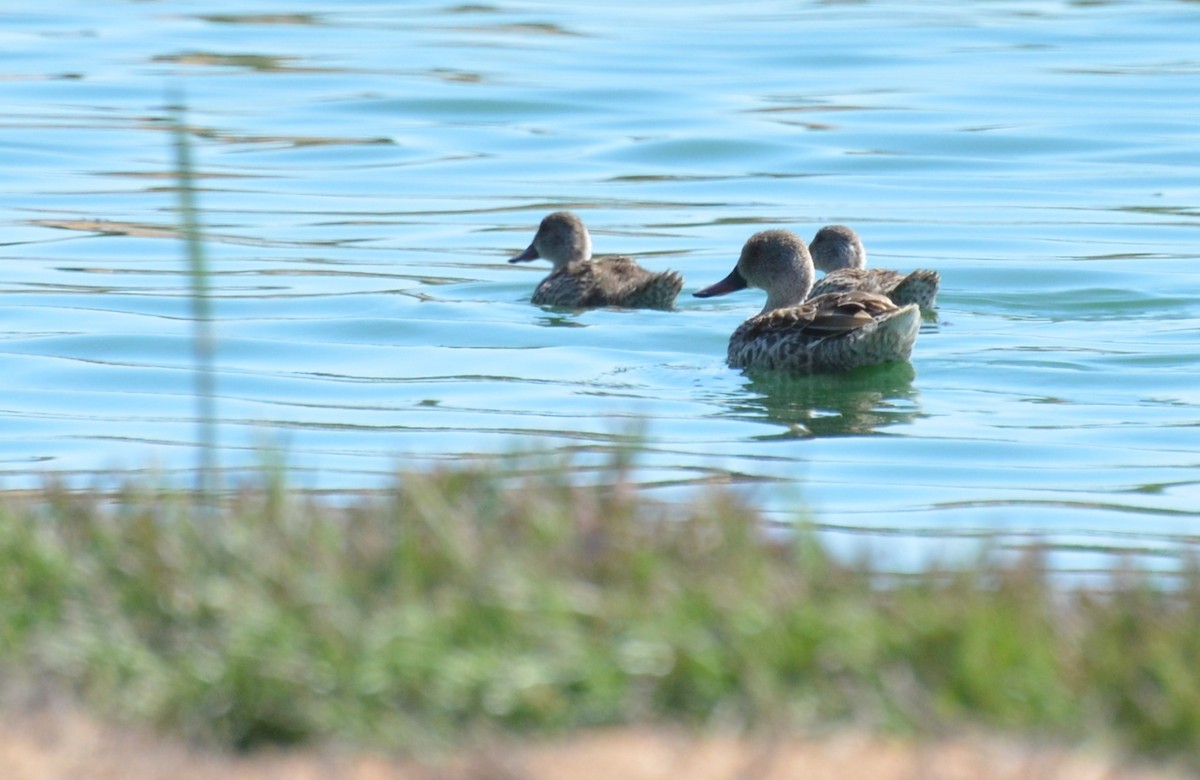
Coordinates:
(61, 744)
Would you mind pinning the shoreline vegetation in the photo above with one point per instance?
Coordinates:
(495, 599)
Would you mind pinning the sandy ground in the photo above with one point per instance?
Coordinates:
(61, 744)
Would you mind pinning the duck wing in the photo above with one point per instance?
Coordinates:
(880, 281)
(919, 287)
(620, 281)
(613, 281)
(831, 314)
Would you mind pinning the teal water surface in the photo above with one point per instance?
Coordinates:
(366, 169)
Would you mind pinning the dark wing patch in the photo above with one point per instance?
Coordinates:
(874, 280)
(832, 314)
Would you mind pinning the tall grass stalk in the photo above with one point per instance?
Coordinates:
(203, 338)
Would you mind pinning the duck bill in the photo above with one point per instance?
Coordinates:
(732, 283)
(529, 254)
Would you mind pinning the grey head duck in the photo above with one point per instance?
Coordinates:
(832, 332)
(839, 252)
(577, 281)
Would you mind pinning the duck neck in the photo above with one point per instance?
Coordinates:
(577, 249)
(789, 291)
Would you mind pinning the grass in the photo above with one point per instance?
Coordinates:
(469, 601)
(203, 339)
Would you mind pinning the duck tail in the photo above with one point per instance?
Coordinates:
(919, 287)
(897, 331)
(659, 291)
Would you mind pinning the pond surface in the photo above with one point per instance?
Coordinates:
(366, 168)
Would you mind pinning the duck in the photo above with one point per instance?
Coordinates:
(828, 333)
(839, 252)
(577, 281)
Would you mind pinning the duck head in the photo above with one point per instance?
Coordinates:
(774, 260)
(836, 247)
(562, 239)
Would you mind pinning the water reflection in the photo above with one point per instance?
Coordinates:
(854, 404)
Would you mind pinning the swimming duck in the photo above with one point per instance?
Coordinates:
(839, 252)
(831, 332)
(578, 281)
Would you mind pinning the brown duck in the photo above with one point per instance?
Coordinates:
(831, 332)
(577, 281)
(839, 252)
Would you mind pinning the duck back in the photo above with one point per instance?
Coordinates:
(614, 281)
(919, 287)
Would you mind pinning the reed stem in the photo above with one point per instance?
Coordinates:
(203, 339)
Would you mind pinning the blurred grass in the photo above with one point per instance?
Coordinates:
(204, 345)
(464, 602)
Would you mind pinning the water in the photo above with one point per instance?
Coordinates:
(367, 167)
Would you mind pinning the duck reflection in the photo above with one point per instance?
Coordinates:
(859, 403)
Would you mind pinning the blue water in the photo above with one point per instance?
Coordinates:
(367, 167)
